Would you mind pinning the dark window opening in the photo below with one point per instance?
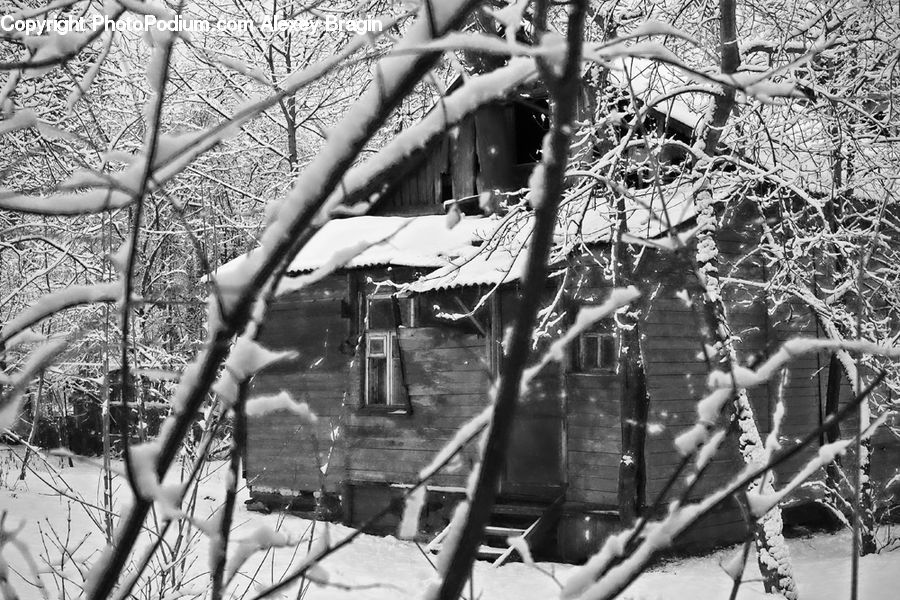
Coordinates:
(595, 350)
(531, 123)
(389, 312)
(598, 352)
(446, 187)
(381, 314)
(662, 164)
(453, 309)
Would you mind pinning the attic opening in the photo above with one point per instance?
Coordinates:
(446, 186)
(530, 123)
(659, 162)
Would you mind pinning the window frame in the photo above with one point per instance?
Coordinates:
(394, 404)
(603, 367)
(386, 355)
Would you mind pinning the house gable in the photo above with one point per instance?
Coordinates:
(492, 150)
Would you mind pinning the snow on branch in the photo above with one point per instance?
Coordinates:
(37, 360)
(723, 384)
(24, 336)
(58, 300)
(415, 502)
(743, 377)
(261, 539)
(22, 119)
(282, 401)
(338, 259)
(10, 536)
(290, 225)
(356, 126)
(462, 437)
(65, 203)
(109, 192)
(708, 410)
(823, 312)
(554, 46)
(760, 503)
(249, 357)
(412, 513)
(615, 566)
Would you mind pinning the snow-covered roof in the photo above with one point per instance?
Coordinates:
(653, 82)
(790, 139)
(482, 250)
(501, 258)
(424, 241)
(382, 241)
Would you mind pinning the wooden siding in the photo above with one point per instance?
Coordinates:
(416, 190)
(447, 379)
(483, 151)
(281, 451)
(803, 382)
(446, 374)
(594, 436)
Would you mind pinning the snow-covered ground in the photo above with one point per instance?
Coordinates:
(378, 567)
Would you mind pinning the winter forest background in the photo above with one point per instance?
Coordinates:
(134, 164)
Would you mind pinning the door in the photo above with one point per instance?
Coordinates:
(535, 466)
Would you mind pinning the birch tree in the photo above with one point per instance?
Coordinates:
(772, 551)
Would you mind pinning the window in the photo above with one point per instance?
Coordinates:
(531, 125)
(595, 351)
(378, 368)
(389, 312)
(383, 380)
(453, 309)
(446, 186)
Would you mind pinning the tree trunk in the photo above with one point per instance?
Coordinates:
(772, 552)
(862, 511)
(634, 401)
(546, 201)
(634, 408)
(35, 419)
(833, 433)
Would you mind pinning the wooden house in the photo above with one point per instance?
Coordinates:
(398, 349)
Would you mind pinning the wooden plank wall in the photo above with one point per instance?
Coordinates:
(447, 373)
(479, 156)
(677, 371)
(594, 436)
(495, 148)
(593, 426)
(804, 383)
(418, 191)
(447, 379)
(676, 377)
(280, 452)
(462, 163)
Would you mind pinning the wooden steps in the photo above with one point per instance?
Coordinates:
(506, 532)
(491, 553)
(517, 509)
(530, 521)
